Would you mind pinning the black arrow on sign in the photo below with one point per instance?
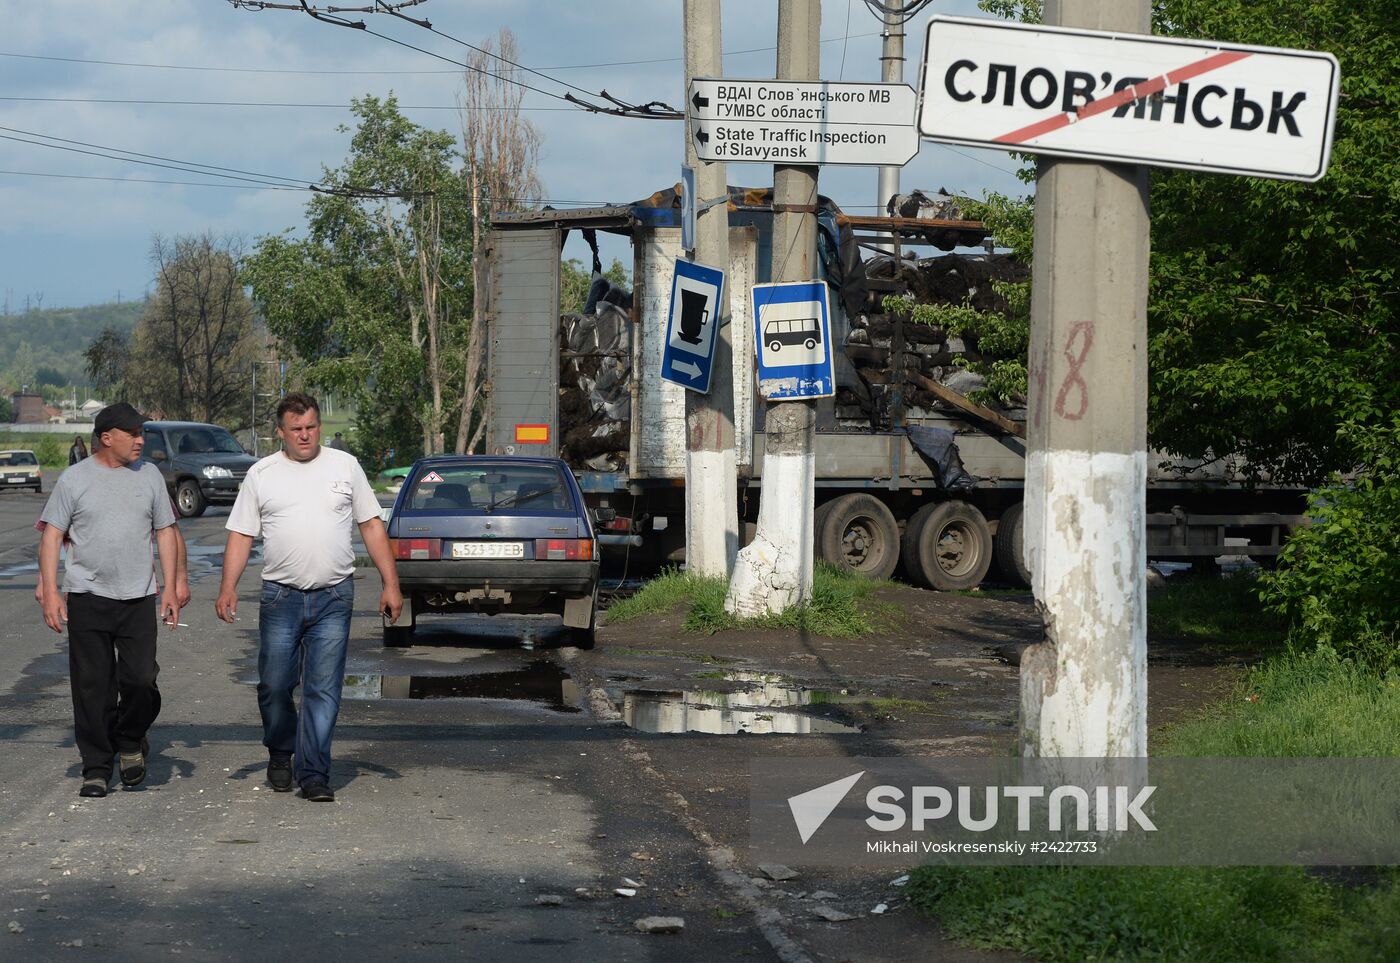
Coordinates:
(700, 102)
(702, 137)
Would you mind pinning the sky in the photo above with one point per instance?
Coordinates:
(94, 76)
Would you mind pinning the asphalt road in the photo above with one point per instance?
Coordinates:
(453, 815)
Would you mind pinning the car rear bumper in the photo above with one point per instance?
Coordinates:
(566, 578)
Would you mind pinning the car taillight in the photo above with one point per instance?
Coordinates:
(417, 548)
(564, 549)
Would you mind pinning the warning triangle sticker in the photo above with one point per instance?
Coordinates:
(432, 476)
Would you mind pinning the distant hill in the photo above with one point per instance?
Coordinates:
(57, 337)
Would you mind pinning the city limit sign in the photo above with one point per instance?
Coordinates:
(800, 122)
(1129, 98)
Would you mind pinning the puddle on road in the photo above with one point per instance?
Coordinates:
(23, 568)
(540, 682)
(765, 704)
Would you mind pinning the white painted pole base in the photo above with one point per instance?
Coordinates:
(773, 572)
(1084, 690)
(712, 513)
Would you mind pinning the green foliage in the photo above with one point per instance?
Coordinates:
(575, 279)
(1003, 336)
(376, 301)
(54, 339)
(50, 452)
(1273, 304)
(1225, 612)
(1231, 915)
(191, 353)
(7, 409)
(1313, 703)
(841, 605)
(1338, 580)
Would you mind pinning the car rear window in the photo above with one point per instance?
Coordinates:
(18, 458)
(530, 488)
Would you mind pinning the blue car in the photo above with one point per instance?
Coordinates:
(492, 535)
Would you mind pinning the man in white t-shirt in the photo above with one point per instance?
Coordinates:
(304, 502)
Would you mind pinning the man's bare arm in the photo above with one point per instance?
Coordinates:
(167, 540)
(55, 611)
(236, 552)
(377, 544)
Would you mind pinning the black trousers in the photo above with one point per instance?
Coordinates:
(112, 668)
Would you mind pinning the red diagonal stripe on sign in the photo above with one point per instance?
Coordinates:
(1125, 96)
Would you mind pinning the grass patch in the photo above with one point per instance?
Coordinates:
(1298, 704)
(842, 605)
(1233, 914)
(1225, 612)
(657, 597)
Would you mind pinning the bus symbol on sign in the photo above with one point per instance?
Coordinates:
(804, 331)
(792, 324)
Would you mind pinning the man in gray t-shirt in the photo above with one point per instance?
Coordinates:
(109, 506)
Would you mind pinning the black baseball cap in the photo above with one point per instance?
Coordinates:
(120, 415)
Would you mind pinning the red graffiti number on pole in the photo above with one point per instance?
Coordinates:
(1083, 332)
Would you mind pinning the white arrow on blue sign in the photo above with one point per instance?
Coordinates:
(689, 355)
(792, 329)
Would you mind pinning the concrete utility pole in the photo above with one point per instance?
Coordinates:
(891, 72)
(1084, 689)
(774, 572)
(711, 485)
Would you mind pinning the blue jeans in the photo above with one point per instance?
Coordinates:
(303, 637)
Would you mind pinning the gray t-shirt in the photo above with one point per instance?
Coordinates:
(109, 515)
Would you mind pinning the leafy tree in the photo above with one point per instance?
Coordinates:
(1272, 316)
(190, 354)
(107, 359)
(575, 279)
(7, 410)
(375, 301)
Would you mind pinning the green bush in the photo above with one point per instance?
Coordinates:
(1338, 581)
(50, 452)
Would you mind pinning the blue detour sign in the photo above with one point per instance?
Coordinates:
(689, 354)
(792, 329)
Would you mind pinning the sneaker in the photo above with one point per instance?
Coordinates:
(94, 787)
(279, 775)
(317, 792)
(133, 768)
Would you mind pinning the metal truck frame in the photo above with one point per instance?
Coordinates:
(880, 503)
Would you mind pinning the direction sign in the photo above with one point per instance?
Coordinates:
(1194, 104)
(798, 122)
(689, 354)
(792, 329)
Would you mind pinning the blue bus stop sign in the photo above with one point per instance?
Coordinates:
(792, 330)
(689, 353)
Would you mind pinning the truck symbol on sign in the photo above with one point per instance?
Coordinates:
(804, 331)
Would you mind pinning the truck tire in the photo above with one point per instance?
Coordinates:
(947, 546)
(401, 635)
(189, 500)
(858, 533)
(1007, 546)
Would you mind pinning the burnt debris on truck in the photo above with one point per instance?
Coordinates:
(910, 471)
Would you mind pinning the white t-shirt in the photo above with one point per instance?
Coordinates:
(306, 513)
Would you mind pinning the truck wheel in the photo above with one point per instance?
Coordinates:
(1007, 546)
(948, 546)
(401, 635)
(858, 533)
(189, 500)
